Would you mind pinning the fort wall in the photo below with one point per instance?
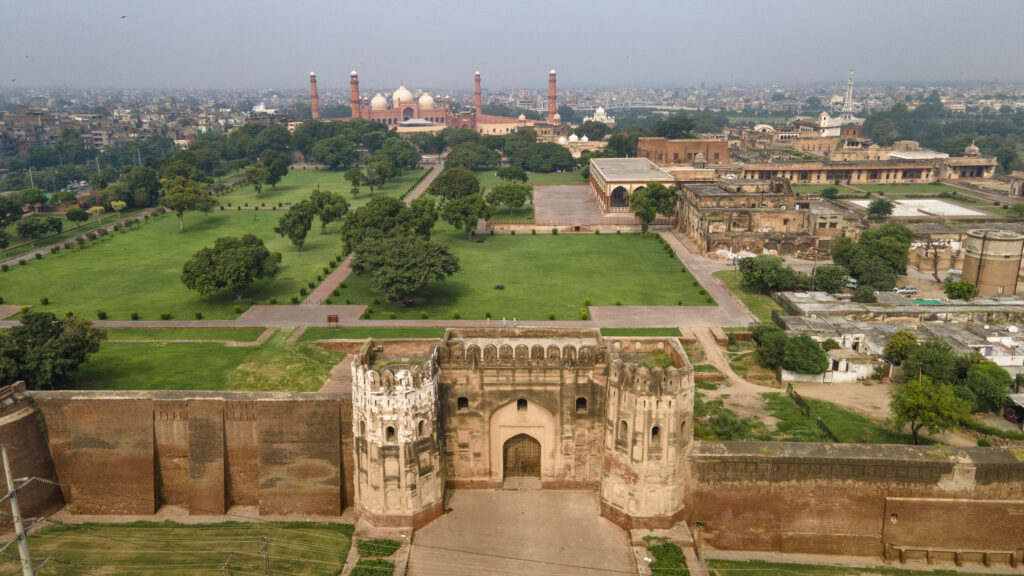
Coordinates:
(133, 452)
(24, 436)
(857, 499)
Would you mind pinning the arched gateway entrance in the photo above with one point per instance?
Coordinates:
(521, 457)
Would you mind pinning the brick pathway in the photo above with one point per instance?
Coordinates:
(730, 311)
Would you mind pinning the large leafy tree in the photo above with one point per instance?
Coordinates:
(880, 208)
(465, 211)
(512, 174)
(541, 157)
(932, 358)
(990, 384)
(10, 210)
(960, 290)
(256, 175)
(651, 200)
(385, 216)
(335, 152)
(401, 265)
(922, 403)
(45, 351)
(454, 183)
(296, 222)
(804, 356)
(34, 197)
(771, 349)
(142, 184)
(232, 263)
(39, 226)
(767, 273)
(277, 164)
(676, 126)
(378, 173)
(509, 195)
(472, 156)
(829, 278)
(328, 206)
(900, 345)
(181, 194)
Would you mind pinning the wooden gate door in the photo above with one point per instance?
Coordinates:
(522, 456)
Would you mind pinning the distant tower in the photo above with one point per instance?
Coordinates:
(356, 102)
(477, 100)
(847, 113)
(399, 476)
(314, 102)
(552, 104)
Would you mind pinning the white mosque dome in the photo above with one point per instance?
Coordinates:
(552, 71)
(557, 116)
(972, 150)
(426, 102)
(584, 139)
(353, 73)
(522, 117)
(599, 112)
(561, 140)
(379, 102)
(401, 95)
(574, 138)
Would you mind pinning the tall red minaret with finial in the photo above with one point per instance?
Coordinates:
(552, 100)
(356, 103)
(477, 99)
(314, 102)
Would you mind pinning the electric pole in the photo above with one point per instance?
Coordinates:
(19, 528)
(227, 565)
(264, 549)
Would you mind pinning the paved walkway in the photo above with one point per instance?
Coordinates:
(516, 532)
(565, 203)
(730, 311)
(46, 249)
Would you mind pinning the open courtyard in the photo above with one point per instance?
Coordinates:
(140, 271)
(531, 276)
(924, 208)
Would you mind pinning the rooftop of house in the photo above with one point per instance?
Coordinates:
(630, 169)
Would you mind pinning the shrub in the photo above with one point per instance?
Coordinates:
(586, 301)
(199, 315)
(487, 315)
(239, 208)
(342, 285)
(246, 204)
(332, 265)
(117, 227)
(280, 204)
(709, 300)
(1, 299)
(423, 314)
(68, 245)
(618, 231)
(584, 315)
(295, 299)
(44, 301)
(222, 207)
(303, 291)
(695, 283)
(683, 269)
(21, 262)
(312, 285)
(533, 231)
(392, 315)
(236, 309)
(597, 232)
(618, 302)
(375, 301)
(554, 231)
(319, 278)
(68, 313)
(335, 292)
(492, 231)
(39, 256)
(133, 315)
(551, 315)
(512, 232)
(456, 315)
(263, 204)
(165, 315)
(101, 315)
(4, 267)
(103, 232)
(984, 443)
(272, 300)
(327, 300)
(377, 547)
(366, 313)
(327, 270)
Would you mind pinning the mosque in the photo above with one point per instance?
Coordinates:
(408, 112)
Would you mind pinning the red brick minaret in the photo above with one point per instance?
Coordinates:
(552, 101)
(357, 111)
(477, 100)
(314, 102)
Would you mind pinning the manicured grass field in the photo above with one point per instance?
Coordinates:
(299, 184)
(273, 365)
(236, 334)
(140, 270)
(524, 213)
(928, 189)
(69, 232)
(543, 274)
(762, 568)
(817, 188)
(759, 304)
(667, 332)
(315, 333)
(488, 178)
(848, 426)
(150, 548)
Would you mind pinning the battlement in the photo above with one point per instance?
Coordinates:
(644, 381)
(394, 379)
(510, 354)
(13, 398)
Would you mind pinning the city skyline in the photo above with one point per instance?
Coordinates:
(120, 44)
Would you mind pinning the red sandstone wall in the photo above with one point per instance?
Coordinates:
(29, 457)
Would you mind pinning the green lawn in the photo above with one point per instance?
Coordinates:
(141, 269)
(668, 332)
(762, 568)
(817, 188)
(542, 274)
(150, 548)
(236, 334)
(488, 178)
(91, 224)
(933, 188)
(848, 426)
(273, 365)
(299, 184)
(760, 305)
(315, 333)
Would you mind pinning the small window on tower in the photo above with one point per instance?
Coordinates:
(389, 434)
(581, 405)
(521, 405)
(462, 404)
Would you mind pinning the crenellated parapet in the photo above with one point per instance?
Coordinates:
(459, 355)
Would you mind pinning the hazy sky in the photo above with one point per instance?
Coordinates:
(439, 44)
